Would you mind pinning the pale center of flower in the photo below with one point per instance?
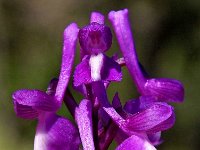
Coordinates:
(40, 141)
(96, 63)
(148, 146)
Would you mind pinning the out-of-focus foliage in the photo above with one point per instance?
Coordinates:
(167, 37)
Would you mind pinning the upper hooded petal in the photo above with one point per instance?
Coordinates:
(56, 133)
(69, 46)
(95, 38)
(165, 89)
(27, 103)
(24, 111)
(135, 143)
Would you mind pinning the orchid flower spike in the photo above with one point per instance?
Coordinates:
(95, 39)
(136, 126)
(96, 68)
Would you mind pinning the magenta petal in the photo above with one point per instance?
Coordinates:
(24, 111)
(83, 116)
(146, 101)
(33, 100)
(136, 105)
(97, 17)
(56, 133)
(155, 138)
(95, 38)
(165, 89)
(82, 73)
(157, 117)
(69, 47)
(116, 102)
(135, 143)
(99, 92)
(132, 106)
(120, 23)
(52, 87)
(164, 125)
(111, 71)
(121, 136)
(114, 116)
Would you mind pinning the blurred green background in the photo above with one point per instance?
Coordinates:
(167, 37)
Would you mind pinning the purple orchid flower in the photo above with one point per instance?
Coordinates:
(53, 132)
(95, 67)
(94, 70)
(163, 89)
(136, 126)
(141, 119)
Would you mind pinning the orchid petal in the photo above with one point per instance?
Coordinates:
(95, 38)
(136, 105)
(135, 143)
(33, 100)
(82, 73)
(120, 136)
(52, 87)
(110, 71)
(97, 17)
(132, 106)
(165, 89)
(155, 138)
(120, 23)
(83, 116)
(96, 62)
(69, 46)
(24, 111)
(146, 101)
(116, 102)
(56, 133)
(99, 92)
(114, 116)
(157, 117)
(164, 125)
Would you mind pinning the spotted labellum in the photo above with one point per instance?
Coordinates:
(97, 122)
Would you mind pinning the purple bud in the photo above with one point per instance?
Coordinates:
(95, 38)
